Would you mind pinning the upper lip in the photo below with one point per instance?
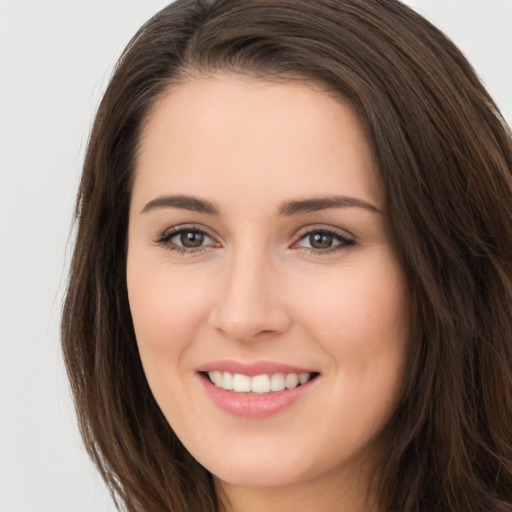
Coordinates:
(253, 368)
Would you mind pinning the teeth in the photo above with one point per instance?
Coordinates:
(217, 378)
(227, 381)
(241, 383)
(291, 381)
(277, 382)
(304, 377)
(259, 384)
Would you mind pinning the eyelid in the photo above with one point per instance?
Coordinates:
(345, 238)
(326, 228)
(165, 237)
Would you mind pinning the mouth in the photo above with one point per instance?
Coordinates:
(256, 390)
(262, 384)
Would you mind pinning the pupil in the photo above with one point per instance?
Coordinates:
(320, 240)
(191, 239)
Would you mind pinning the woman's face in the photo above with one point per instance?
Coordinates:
(258, 257)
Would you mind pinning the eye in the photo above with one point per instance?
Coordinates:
(324, 241)
(185, 239)
(189, 239)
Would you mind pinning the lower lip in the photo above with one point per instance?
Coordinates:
(253, 405)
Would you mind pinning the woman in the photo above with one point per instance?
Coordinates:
(292, 281)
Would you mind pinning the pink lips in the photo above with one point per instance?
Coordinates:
(249, 405)
(251, 369)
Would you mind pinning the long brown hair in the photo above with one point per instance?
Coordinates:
(444, 155)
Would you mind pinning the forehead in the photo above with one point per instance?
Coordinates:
(248, 135)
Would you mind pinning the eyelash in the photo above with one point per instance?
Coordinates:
(165, 239)
(342, 242)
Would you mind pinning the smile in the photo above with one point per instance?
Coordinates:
(255, 390)
(258, 384)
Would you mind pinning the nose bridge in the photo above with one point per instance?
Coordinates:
(249, 306)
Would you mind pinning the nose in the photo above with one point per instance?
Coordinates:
(250, 305)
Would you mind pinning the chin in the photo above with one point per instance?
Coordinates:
(266, 475)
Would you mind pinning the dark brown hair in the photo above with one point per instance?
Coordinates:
(444, 155)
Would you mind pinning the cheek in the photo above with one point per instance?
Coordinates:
(360, 318)
(163, 304)
(356, 307)
(166, 311)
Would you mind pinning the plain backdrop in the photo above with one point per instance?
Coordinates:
(56, 57)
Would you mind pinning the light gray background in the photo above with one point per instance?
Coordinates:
(55, 59)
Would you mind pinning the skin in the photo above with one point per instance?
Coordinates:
(257, 289)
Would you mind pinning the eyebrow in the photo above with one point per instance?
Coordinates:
(184, 202)
(323, 203)
(195, 204)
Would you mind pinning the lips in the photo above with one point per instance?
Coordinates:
(255, 390)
